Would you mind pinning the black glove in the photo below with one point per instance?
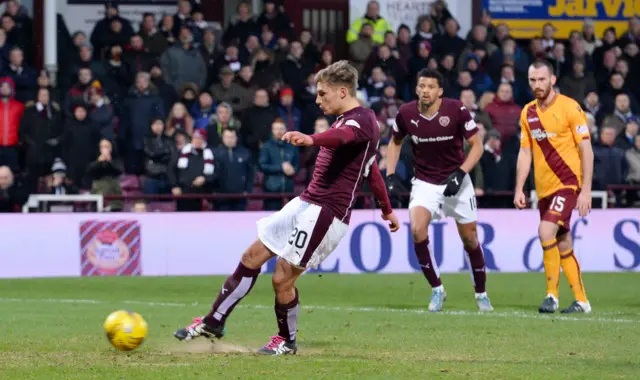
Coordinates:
(454, 182)
(394, 185)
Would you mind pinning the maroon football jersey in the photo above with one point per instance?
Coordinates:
(339, 172)
(438, 140)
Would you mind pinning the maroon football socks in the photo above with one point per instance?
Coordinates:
(427, 263)
(287, 316)
(238, 285)
(478, 270)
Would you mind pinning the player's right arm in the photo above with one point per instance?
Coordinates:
(524, 162)
(394, 185)
(376, 182)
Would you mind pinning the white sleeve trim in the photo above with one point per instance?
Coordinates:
(352, 123)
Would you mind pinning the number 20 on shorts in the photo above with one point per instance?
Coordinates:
(298, 238)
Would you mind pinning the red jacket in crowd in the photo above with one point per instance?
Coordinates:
(10, 114)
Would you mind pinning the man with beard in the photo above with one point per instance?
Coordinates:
(556, 137)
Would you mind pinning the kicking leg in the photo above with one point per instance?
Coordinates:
(475, 258)
(286, 308)
(547, 232)
(571, 270)
(238, 285)
(420, 219)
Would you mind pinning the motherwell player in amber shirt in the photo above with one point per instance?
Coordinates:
(556, 137)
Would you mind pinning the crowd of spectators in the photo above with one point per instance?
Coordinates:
(178, 106)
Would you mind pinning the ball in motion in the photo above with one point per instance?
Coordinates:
(125, 330)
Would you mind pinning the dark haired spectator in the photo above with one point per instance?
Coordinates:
(360, 49)
(137, 57)
(311, 50)
(79, 144)
(193, 172)
(159, 150)
(154, 41)
(15, 36)
(182, 18)
(576, 83)
(609, 161)
(183, 63)
(11, 111)
(141, 105)
(625, 139)
(275, 20)
(24, 77)
(167, 93)
(295, 69)
(40, 135)
(241, 26)
(236, 171)
(449, 42)
(256, 122)
(621, 113)
(101, 113)
(404, 46)
(425, 32)
(111, 30)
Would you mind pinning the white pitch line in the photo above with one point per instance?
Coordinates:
(510, 314)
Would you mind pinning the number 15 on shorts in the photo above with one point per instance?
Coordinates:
(557, 203)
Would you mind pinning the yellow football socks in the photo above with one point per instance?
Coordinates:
(551, 258)
(571, 270)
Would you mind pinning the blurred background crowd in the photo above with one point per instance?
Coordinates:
(177, 106)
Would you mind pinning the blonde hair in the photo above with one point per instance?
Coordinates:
(340, 73)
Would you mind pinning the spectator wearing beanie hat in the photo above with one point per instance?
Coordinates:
(58, 183)
(288, 111)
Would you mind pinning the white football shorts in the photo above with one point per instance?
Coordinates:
(302, 233)
(462, 207)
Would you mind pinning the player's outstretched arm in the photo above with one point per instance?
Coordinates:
(331, 138)
(522, 172)
(379, 190)
(584, 199)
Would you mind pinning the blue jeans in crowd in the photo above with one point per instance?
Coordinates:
(155, 186)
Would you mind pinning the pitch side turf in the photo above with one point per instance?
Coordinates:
(351, 327)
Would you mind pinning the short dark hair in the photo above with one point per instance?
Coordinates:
(428, 73)
(540, 63)
(229, 130)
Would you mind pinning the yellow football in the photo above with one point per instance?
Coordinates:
(125, 330)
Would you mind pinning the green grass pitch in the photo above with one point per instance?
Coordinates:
(351, 327)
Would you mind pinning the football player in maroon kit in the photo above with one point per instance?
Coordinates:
(308, 228)
(441, 187)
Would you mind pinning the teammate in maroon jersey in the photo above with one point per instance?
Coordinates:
(441, 187)
(309, 227)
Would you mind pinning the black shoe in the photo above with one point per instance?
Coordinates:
(549, 305)
(577, 307)
(199, 328)
(278, 346)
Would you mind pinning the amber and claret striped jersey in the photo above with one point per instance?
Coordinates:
(553, 135)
